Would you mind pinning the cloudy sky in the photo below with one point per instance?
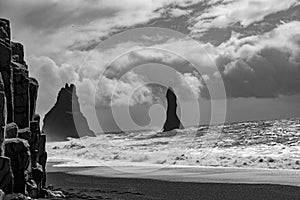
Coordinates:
(108, 50)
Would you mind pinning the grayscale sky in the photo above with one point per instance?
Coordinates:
(254, 44)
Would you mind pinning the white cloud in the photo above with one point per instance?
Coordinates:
(61, 24)
(254, 66)
(228, 12)
(191, 83)
(129, 90)
(176, 12)
(262, 66)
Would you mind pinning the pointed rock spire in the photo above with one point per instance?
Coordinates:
(172, 120)
(65, 119)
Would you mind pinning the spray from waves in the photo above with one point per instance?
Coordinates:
(271, 144)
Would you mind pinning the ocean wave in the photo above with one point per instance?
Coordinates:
(262, 144)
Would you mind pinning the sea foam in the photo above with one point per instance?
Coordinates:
(272, 144)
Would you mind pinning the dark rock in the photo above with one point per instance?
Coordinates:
(6, 175)
(21, 96)
(38, 155)
(44, 193)
(36, 117)
(34, 141)
(24, 134)
(42, 154)
(26, 158)
(33, 93)
(38, 174)
(5, 67)
(35, 130)
(3, 33)
(7, 76)
(65, 118)
(5, 28)
(1, 83)
(172, 120)
(42, 144)
(42, 161)
(11, 130)
(18, 152)
(42, 157)
(17, 52)
(3, 115)
(32, 189)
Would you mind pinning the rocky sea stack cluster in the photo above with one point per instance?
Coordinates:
(22, 145)
(65, 118)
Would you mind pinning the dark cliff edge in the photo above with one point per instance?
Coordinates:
(65, 118)
(172, 120)
(23, 154)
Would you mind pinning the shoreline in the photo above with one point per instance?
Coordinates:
(78, 187)
(188, 174)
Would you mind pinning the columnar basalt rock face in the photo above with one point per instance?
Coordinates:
(18, 151)
(5, 66)
(21, 141)
(1, 84)
(34, 141)
(17, 52)
(42, 157)
(172, 120)
(33, 93)
(65, 118)
(3, 115)
(5, 28)
(21, 96)
(11, 130)
(24, 134)
(2, 121)
(6, 175)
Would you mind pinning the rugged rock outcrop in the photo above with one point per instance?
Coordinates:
(3, 116)
(17, 52)
(11, 130)
(21, 95)
(65, 118)
(33, 92)
(42, 158)
(172, 120)
(18, 151)
(5, 66)
(22, 145)
(6, 175)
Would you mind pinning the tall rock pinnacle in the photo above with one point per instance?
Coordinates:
(172, 120)
(65, 118)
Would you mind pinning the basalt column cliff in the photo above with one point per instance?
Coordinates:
(22, 145)
(172, 120)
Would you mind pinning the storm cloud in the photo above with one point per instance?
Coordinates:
(263, 66)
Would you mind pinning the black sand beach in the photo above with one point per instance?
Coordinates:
(89, 187)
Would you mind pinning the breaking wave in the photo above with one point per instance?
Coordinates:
(271, 144)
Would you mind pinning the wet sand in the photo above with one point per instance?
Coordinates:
(77, 186)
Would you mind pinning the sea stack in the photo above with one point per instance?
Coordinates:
(172, 120)
(65, 118)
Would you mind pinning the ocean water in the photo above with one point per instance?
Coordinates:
(273, 144)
